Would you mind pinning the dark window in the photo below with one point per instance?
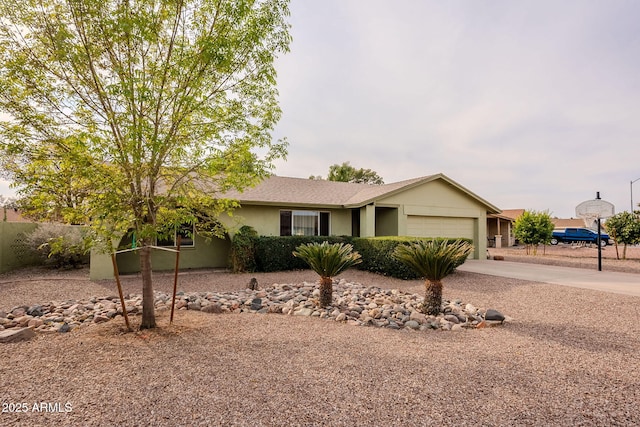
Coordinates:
(186, 233)
(285, 223)
(324, 223)
(355, 222)
(304, 223)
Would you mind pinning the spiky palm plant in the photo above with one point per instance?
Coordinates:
(433, 260)
(328, 260)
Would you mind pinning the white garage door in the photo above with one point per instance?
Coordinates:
(438, 226)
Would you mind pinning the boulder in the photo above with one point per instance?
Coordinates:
(494, 315)
(256, 304)
(212, 308)
(16, 335)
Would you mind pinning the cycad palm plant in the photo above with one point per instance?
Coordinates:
(433, 260)
(328, 260)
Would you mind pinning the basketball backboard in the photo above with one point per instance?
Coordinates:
(595, 209)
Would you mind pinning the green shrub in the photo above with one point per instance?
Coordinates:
(60, 246)
(242, 256)
(275, 253)
(377, 255)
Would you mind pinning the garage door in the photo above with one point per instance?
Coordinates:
(438, 226)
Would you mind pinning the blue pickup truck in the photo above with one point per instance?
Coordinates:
(571, 235)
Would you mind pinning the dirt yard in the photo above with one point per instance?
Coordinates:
(575, 256)
(569, 357)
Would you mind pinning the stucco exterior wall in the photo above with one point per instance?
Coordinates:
(439, 199)
(204, 254)
(266, 219)
(13, 254)
(387, 221)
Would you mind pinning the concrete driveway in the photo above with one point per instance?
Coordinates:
(608, 281)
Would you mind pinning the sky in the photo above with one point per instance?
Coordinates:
(528, 104)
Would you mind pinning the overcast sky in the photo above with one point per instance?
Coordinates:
(529, 104)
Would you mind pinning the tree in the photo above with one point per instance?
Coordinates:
(434, 260)
(533, 228)
(328, 260)
(347, 173)
(624, 227)
(151, 108)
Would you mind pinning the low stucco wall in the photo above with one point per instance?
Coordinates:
(13, 253)
(204, 254)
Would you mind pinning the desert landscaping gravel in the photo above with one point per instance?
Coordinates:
(569, 357)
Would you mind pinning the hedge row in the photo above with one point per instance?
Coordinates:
(274, 253)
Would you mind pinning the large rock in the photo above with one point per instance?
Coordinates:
(303, 312)
(494, 315)
(16, 335)
(418, 317)
(256, 304)
(412, 324)
(35, 311)
(212, 308)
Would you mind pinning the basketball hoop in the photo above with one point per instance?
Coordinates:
(595, 210)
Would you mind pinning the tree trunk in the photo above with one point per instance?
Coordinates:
(326, 291)
(432, 297)
(148, 307)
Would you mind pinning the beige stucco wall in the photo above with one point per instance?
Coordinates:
(266, 219)
(439, 199)
(13, 253)
(387, 221)
(213, 253)
(204, 254)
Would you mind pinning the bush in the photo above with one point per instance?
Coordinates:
(377, 255)
(60, 246)
(275, 253)
(242, 257)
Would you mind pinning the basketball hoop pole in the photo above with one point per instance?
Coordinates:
(631, 191)
(599, 237)
(596, 209)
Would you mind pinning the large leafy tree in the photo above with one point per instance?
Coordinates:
(533, 228)
(624, 227)
(134, 115)
(347, 173)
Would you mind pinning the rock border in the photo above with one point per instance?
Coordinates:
(353, 304)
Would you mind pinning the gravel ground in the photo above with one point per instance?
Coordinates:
(570, 357)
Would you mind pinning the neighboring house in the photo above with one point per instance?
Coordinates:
(430, 206)
(500, 228)
(571, 223)
(12, 215)
(501, 225)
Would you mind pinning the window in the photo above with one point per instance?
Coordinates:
(186, 233)
(304, 223)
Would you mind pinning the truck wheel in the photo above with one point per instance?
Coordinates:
(603, 243)
(554, 241)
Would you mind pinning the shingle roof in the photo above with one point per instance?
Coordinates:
(278, 190)
(512, 213)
